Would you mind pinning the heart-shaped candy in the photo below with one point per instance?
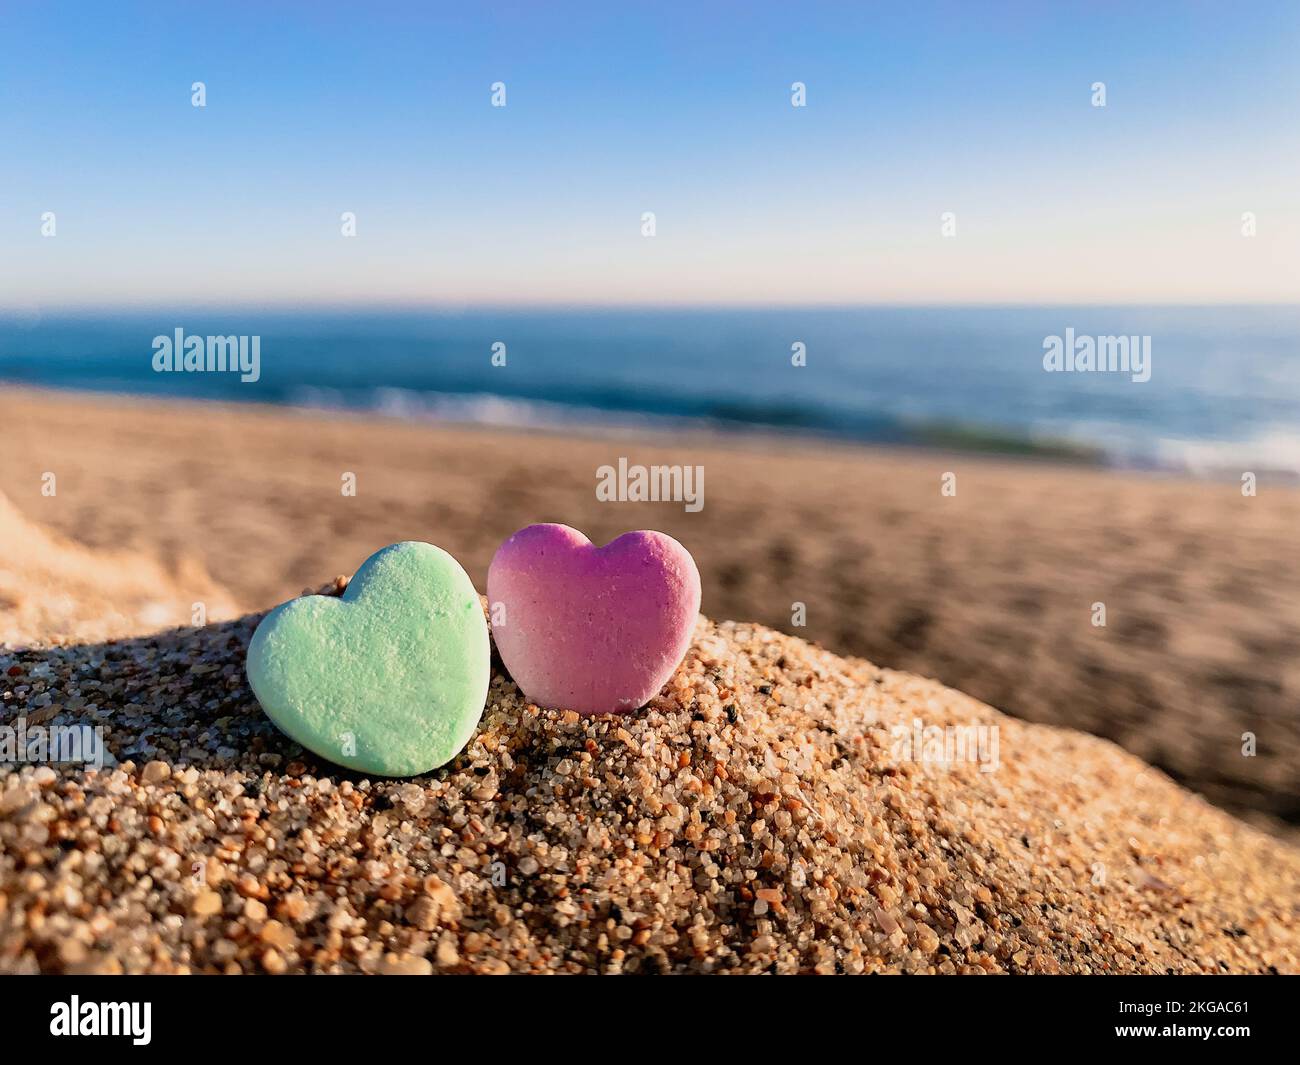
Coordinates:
(391, 678)
(592, 629)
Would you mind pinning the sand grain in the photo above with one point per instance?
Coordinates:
(754, 819)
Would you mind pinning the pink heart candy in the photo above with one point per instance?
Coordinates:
(592, 629)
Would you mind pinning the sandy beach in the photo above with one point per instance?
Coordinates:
(768, 812)
(990, 590)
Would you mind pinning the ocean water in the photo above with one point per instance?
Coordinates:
(1223, 394)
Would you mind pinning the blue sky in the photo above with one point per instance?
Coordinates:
(684, 110)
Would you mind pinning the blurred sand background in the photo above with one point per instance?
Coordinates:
(990, 591)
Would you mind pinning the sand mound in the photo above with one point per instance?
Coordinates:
(59, 590)
(759, 816)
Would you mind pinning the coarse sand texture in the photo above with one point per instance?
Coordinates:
(755, 817)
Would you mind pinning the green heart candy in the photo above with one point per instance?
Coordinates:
(391, 678)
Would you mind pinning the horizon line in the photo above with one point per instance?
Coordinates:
(455, 307)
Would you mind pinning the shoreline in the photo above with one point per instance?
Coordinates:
(953, 379)
(1206, 461)
(957, 440)
(956, 437)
